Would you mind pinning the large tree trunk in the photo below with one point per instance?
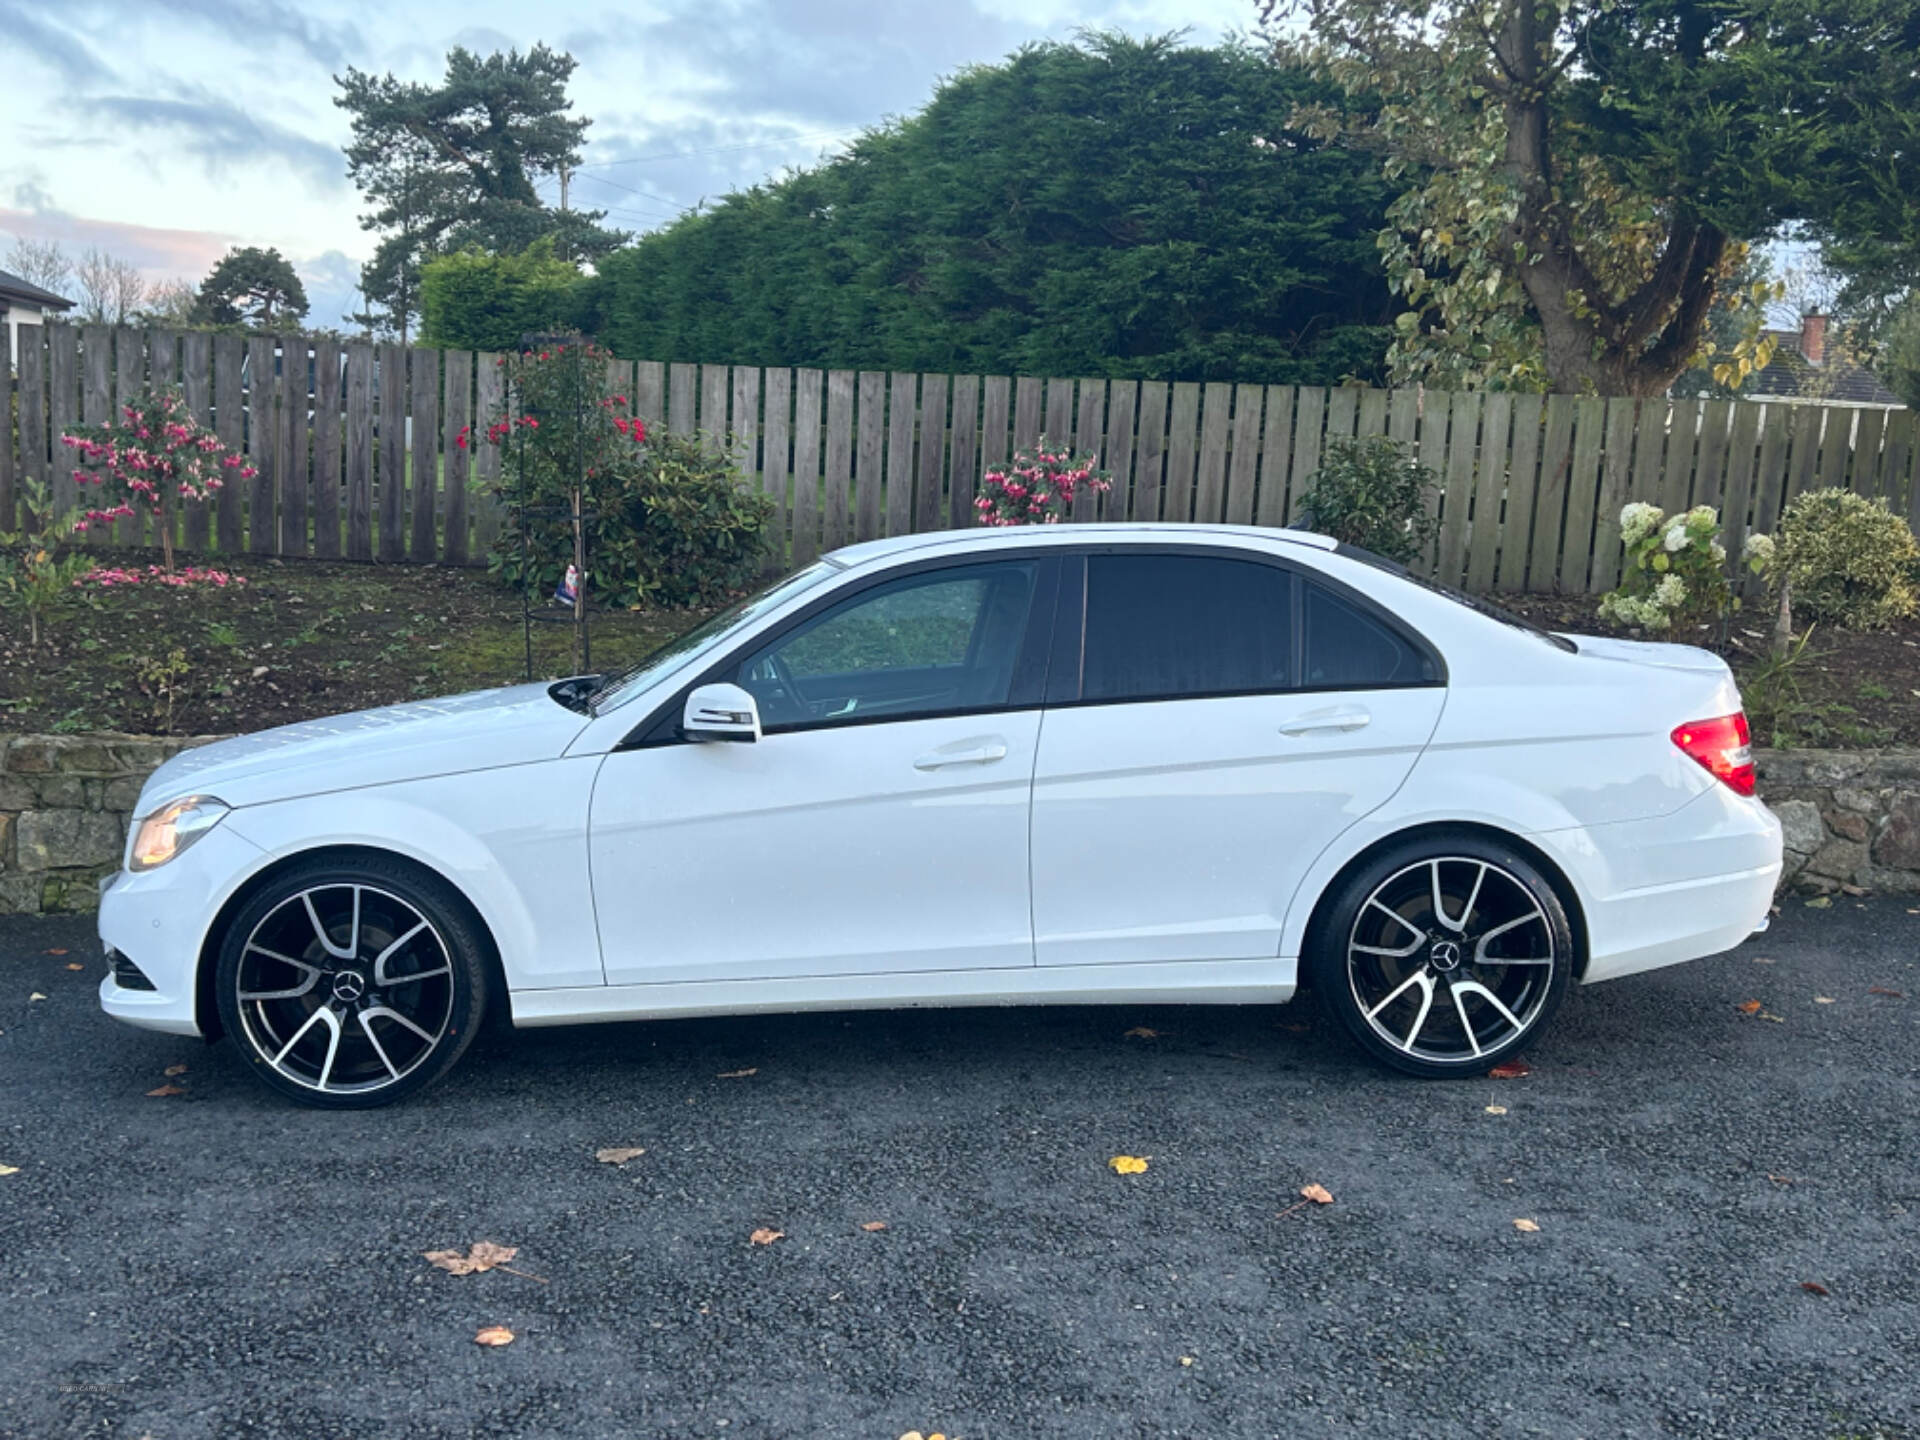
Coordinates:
(1632, 346)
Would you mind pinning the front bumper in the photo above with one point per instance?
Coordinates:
(159, 922)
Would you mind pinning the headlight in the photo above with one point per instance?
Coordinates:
(171, 829)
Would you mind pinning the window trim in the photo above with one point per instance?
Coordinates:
(1065, 683)
(661, 725)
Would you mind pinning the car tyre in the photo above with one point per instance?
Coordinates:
(1443, 956)
(349, 983)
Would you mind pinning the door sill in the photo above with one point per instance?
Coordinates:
(1266, 981)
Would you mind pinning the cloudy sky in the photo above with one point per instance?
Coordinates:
(167, 130)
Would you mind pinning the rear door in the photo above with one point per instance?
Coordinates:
(1215, 719)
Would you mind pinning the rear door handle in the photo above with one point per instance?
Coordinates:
(964, 752)
(1340, 719)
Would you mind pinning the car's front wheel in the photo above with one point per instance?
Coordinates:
(349, 983)
(1444, 956)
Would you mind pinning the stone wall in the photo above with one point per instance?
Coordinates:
(1851, 817)
(64, 805)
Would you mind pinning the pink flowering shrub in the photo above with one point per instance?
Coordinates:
(155, 455)
(1038, 488)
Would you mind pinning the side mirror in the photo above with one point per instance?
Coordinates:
(720, 712)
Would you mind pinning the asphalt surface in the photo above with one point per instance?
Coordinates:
(220, 1264)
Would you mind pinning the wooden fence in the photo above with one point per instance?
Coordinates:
(356, 449)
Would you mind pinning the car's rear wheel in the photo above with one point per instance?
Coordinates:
(1444, 956)
(352, 983)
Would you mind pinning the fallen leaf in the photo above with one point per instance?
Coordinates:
(1823, 999)
(1846, 889)
(1748, 1007)
(1186, 1360)
(737, 1074)
(494, 1335)
(1781, 1179)
(1496, 1109)
(173, 1070)
(1319, 1194)
(75, 965)
(1761, 959)
(1882, 990)
(36, 995)
(9, 1169)
(1814, 1287)
(618, 1154)
(164, 1091)
(1510, 1070)
(764, 1236)
(56, 952)
(1820, 902)
(873, 1226)
(481, 1256)
(1526, 1227)
(1127, 1164)
(1776, 1019)
(1141, 1032)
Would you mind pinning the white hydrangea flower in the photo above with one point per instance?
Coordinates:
(1719, 552)
(1670, 593)
(1757, 547)
(1638, 520)
(1676, 537)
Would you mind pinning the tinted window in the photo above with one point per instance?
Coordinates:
(1348, 649)
(926, 645)
(1165, 626)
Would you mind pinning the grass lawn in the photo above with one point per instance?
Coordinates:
(302, 638)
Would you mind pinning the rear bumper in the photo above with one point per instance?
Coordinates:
(1680, 887)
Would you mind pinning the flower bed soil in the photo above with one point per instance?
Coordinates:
(299, 639)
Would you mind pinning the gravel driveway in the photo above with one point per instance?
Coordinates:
(218, 1264)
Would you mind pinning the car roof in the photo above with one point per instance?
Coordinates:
(996, 537)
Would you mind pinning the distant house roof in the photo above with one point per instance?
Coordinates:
(1826, 378)
(12, 287)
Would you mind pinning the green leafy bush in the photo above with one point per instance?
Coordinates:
(1850, 561)
(675, 527)
(471, 300)
(1370, 493)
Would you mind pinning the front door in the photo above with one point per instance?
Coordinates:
(1230, 719)
(879, 825)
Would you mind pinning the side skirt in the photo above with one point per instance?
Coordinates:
(1194, 982)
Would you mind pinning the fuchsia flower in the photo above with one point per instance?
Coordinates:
(1038, 488)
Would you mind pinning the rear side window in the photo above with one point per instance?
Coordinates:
(1167, 627)
(1348, 649)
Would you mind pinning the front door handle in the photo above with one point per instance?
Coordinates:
(1340, 719)
(963, 752)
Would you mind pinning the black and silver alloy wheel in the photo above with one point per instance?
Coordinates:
(350, 985)
(1445, 961)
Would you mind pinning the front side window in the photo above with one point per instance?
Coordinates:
(1169, 627)
(938, 643)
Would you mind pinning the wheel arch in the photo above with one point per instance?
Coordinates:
(1563, 886)
(206, 1006)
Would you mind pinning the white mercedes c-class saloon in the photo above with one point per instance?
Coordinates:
(1072, 765)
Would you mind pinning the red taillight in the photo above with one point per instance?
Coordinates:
(1723, 746)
